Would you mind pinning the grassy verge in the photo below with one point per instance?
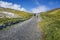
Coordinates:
(4, 22)
(50, 25)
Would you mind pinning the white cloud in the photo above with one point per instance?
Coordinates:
(39, 9)
(11, 5)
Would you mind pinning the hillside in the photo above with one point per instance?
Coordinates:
(10, 17)
(50, 24)
(21, 14)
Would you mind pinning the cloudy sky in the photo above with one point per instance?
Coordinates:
(35, 6)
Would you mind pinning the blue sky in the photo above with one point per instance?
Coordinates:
(32, 5)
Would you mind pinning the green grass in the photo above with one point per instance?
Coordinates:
(50, 24)
(5, 22)
(22, 16)
(8, 20)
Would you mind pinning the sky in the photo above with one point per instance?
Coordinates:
(34, 6)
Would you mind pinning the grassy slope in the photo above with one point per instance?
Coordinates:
(9, 21)
(20, 13)
(50, 24)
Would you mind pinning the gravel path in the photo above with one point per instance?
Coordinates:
(28, 30)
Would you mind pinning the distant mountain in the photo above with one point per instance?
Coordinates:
(6, 12)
